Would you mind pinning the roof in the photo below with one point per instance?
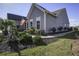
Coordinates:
(57, 12)
(54, 14)
(15, 17)
(40, 8)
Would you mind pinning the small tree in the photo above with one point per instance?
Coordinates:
(5, 24)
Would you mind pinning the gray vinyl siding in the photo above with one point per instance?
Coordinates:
(37, 13)
(63, 18)
(58, 21)
(50, 22)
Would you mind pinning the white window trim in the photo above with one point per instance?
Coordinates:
(31, 20)
(39, 18)
(31, 24)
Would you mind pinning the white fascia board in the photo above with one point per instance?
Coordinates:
(39, 8)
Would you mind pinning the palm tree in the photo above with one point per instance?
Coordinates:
(9, 28)
(5, 24)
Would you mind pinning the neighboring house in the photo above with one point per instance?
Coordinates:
(42, 19)
(20, 20)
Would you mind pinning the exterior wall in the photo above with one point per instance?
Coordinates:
(60, 20)
(18, 22)
(50, 22)
(36, 13)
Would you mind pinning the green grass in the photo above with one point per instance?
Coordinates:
(60, 47)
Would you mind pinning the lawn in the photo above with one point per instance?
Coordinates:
(60, 47)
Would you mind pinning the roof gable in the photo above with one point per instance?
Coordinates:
(40, 8)
(57, 12)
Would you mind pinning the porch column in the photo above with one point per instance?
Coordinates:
(44, 21)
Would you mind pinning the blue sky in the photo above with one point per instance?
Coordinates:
(23, 8)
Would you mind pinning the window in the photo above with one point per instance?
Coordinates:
(38, 19)
(38, 24)
(31, 24)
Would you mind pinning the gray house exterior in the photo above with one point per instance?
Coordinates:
(42, 19)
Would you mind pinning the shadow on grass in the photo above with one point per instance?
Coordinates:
(70, 35)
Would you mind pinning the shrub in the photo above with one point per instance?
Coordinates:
(31, 30)
(60, 28)
(20, 34)
(75, 29)
(65, 28)
(26, 39)
(2, 38)
(53, 29)
(38, 41)
(42, 32)
(14, 45)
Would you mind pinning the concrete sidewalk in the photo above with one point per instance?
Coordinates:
(53, 36)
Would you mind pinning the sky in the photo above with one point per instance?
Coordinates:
(23, 9)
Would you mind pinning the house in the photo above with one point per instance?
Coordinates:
(42, 19)
(20, 20)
